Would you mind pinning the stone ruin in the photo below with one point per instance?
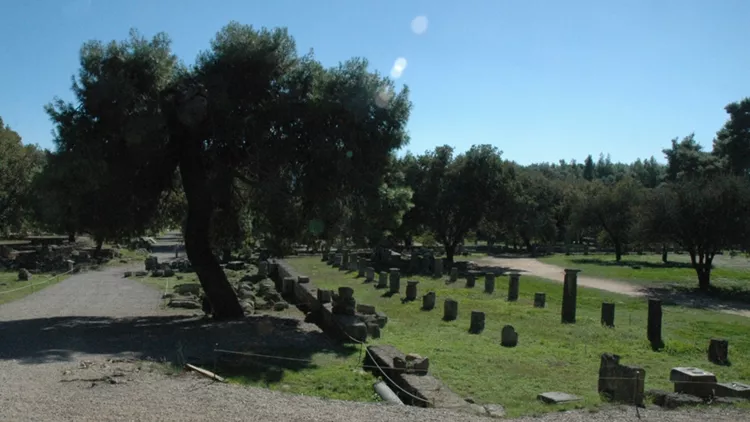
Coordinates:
(695, 386)
(50, 253)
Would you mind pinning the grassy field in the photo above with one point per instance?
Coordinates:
(11, 289)
(729, 273)
(550, 356)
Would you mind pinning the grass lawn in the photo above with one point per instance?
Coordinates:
(332, 372)
(550, 356)
(11, 289)
(729, 273)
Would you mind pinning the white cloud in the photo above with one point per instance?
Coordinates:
(419, 25)
(398, 67)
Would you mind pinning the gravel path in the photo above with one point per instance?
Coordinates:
(552, 272)
(74, 352)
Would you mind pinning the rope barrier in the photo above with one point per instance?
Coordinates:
(31, 285)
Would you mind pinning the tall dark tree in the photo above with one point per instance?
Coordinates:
(589, 168)
(732, 143)
(704, 215)
(251, 114)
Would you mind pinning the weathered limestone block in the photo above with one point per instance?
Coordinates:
(489, 283)
(428, 301)
(513, 287)
(608, 314)
(621, 383)
(570, 295)
(438, 267)
(343, 302)
(477, 322)
(288, 285)
(718, 351)
(324, 296)
(365, 309)
(450, 310)
(471, 279)
(369, 274)
(695, 381)
(540, 300)
(454, 274)
(395, 280)
(509, 336)
(411, 290)
(732, 389)
(382, 280)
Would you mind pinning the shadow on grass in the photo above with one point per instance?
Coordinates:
(631, 263)
(715, 299)
(277, 344)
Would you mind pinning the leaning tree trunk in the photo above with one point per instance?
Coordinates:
(704, 276)
(618, 250)
(220, 295)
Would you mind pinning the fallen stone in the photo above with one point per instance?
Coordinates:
(557, 397)
(262, 305)
(248, 306)
(365, 309)
(168, 272)
(381, 318)
(621, 383)
(157, 273)
(373, 329)
(494, 410)
(509, 336)
(188, 289)
(728, 400)
(183, 303)
(23, 274)
(141, 273)
(236, 265)
(732, 389)
(128, 274)
(673, 400)
(280, 306)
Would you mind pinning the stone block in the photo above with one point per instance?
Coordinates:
(540, 300)
(352, 326)
(556, 397)
(718, 351)
(509, 336)
(477, 322)
(365, 309)
(690, 374)
(733, 389)
(324, 296)
(450, 310)
(621, 383)
(428, 301)
(382, 280)
(411, 290)
(454, 275)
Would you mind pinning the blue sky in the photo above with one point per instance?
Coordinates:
(540, 79)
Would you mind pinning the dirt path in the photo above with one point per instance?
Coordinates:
(75, 352)
(552, 272)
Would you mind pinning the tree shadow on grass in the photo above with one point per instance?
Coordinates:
(276, 344)
(631, 263)
(715, 299)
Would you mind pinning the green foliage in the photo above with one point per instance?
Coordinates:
(18, 165)
(453, 194)
(703, 215)
(610, 208)
(732, 143)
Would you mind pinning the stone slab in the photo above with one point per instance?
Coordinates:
(733, 389)
(431, 391)
(690, 374)
(556, 397)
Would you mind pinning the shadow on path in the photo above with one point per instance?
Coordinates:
(176, 339)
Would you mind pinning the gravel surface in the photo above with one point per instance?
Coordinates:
(74, 352)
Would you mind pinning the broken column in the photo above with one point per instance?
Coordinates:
(450, 310)
(621, 383)
(509, 336)
(382, 280)
(438, 267)
(369, 275)
(489, 282)
(263, 269)
(608, 314)
(411, 290)
(324, 296)
(360, 267)
(345, 260)
(288, 286)
(428, 301)
(471, 278)
(343, 302)
(454, 274)
(540, 300)
(570, 293)
(513, 287)
(477, 322)
(338, 260)
(395, 280)
(653, 330)
(718, 351)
